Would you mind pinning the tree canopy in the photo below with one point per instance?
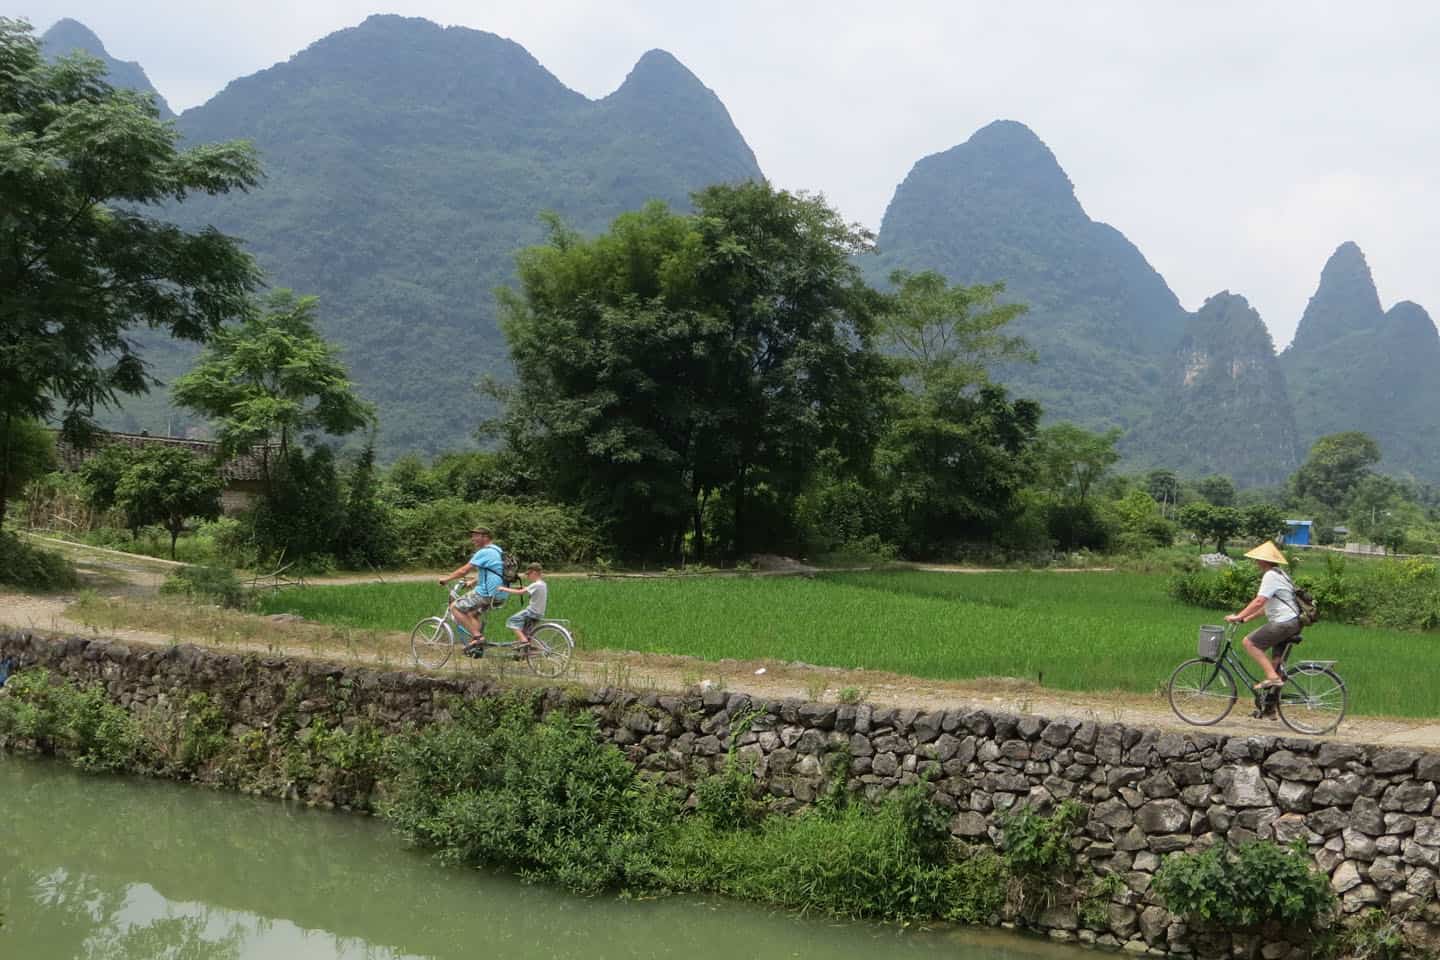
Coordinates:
(81, 262)
(681, 373)
(1336, 463)
(273, 378)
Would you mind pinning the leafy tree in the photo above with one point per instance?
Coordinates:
(949, 336)
(1336, 463)
(81, 264)
(302, 517)
(1373, 501)
(1263, 521)
(271, 379)
(1164, 488)
(1071, 459)
(167, 485)
(677, 360)
(26, 452)
(1211, 524)
(952, 461)
(1217, 490)
(952, 465)
(102, 473)
(368, 538)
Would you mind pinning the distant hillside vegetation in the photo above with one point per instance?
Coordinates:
(999, 207)
(1354, 366)
(406, 163)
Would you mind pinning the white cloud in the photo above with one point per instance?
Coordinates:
(1235, 142)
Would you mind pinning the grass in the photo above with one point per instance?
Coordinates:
(1068, 631)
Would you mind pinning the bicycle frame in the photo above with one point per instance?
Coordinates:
(449, 618)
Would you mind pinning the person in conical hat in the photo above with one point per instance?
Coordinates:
(1276, 598)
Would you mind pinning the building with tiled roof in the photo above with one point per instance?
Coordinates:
(244, 473)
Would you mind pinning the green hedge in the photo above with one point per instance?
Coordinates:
(435, 534)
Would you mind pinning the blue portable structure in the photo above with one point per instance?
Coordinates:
(1297, 532)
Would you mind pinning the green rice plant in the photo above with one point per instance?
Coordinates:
(1091, 631)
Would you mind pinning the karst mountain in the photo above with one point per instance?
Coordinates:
(1355, 366)
(406, 163)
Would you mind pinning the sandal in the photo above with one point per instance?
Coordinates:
(1270, 684)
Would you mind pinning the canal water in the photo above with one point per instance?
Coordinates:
(107, 868)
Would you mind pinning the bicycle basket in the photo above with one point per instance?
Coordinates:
(1208, 646)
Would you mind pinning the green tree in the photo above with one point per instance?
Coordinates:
(102, 473)
(369, 538)
(947, 336)
(1211, 524)
(1373, 501)
(1164, 488)
(272, 379)
(1263, 521)
(1071, 459)
(1336, 463)
(168, 485)
(26, 452)
(952, 465)
(675, 361)
(952, 461)
(1218, 490)
(81, 263)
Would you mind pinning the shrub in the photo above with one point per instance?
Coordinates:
(207, 584)
(435, 534)
(78, 722)
(1228, 588)
(855, 860)
(1259, 882)
(30, 568)
(547, 799)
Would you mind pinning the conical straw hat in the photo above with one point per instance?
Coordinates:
(1268, 552)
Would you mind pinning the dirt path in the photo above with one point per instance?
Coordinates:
(125, 576)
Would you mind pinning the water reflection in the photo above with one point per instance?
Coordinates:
(115, 869)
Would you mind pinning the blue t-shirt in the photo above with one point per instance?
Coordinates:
(489, 560)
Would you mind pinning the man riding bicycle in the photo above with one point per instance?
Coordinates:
(488, 562)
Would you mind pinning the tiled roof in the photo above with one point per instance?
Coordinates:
(244, 466)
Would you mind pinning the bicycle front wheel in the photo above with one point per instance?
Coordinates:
(431, 642)
(1313, 699)
(550, 649)
(1201, 692)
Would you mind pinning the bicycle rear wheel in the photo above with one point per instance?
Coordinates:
(431, 642)
(1313, 699)
(550, 648)
(1201, 692)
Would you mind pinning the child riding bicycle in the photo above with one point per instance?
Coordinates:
(537, 591)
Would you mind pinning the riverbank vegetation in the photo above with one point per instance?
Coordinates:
(1083, 631)
(500, 785)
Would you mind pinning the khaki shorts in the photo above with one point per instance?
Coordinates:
(1274, 634)
(474, 602)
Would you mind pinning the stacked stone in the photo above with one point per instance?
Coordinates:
(1369, 815)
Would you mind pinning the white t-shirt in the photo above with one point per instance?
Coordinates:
(1279, 598)
(537, 593)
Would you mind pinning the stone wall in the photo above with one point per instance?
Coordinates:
(1368, 814)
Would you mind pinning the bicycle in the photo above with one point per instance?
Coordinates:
(547, 652)
(1202, 690)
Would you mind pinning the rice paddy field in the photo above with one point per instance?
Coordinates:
(1068, 631)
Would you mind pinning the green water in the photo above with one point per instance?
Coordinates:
(106, 868)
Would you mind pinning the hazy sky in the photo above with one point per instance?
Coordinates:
(1235, 143)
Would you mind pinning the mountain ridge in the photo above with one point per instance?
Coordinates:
(406, 163)
(66, 35)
